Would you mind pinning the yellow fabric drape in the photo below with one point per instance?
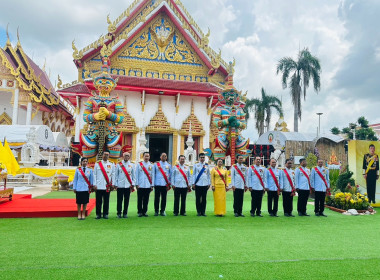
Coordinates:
(220, 190)
(47, 173)
(8, 159)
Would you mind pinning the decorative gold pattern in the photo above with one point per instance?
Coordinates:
(196, 125)
(5, 119)
(128, 125)
(159, 123)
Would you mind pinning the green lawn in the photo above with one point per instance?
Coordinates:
(337, 247)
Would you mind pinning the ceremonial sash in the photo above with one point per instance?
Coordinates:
(221, 176)
(146, 172)
(163, 174)
(200, 174)
(258, 176)
(307, 177)
(127, 175)
(183, 174)
(324, 180)
(108, 186)
(240, 173)
(275, 181)
(370, 164)
(290, 182)
(85, 178)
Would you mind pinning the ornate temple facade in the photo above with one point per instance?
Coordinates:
(168, 78)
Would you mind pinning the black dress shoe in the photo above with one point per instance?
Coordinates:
(125, 216)
(163, 213)
(145, 215)
(139, 215)
(199, 214)
(105, 217)
(275, 215)
(97, 217)
(317, 214)
(204, 215)
(271, 214)
(259, 215)
(291, 215)
(241, 215)
(183, 214)
(300, 214)
(286, 215)
(175, 214)
(119, 216)
(322, 214)
(252, 215)
(306, 214)
(236, 215)
(156, 213)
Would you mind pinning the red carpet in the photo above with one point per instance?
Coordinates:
(23, 206)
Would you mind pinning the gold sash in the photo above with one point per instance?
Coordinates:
(370, 164)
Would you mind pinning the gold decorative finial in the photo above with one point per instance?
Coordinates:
(18, 38)
(8, 41)
(59, 84)
(76, 53)
(43, 67)
(231, 68)
(111, 26)
(106, 50)
(215, 61)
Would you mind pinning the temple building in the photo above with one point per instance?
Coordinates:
(29, 101)
(169, 78)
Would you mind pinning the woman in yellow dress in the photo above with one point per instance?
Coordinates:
(219, 184)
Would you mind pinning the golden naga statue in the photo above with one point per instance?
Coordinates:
(102, 114)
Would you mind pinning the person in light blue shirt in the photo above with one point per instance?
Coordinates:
(302, 180)
(124, 186)
(239, 185)
(320, 182)
(256, 186)
(81, 187)
(181, 185)
(273, 184)
(288, 190)
(161, 185)
(144, 184)
(201, 181)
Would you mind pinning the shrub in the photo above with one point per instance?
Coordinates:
(344, 179)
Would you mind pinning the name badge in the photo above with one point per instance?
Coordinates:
(150, 167)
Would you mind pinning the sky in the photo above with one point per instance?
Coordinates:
(344, 35)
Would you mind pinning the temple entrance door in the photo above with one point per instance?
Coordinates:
(159, 143)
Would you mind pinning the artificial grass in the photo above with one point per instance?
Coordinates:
(191, 247)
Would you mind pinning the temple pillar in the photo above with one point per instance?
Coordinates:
(29, 113)
(15, 106)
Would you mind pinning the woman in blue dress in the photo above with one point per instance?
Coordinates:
(81, 187)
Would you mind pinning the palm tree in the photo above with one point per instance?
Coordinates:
(299, 74)
(263, 109)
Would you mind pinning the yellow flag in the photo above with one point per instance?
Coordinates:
(11, 159)
(3, 157)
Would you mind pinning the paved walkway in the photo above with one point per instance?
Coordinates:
(35, 190)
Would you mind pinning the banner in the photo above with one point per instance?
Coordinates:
(47, 173)
(356, 151)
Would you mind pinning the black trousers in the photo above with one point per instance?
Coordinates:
(319, 202)
(102, 197)
(287, 202)
(238, 201)
(371, 185)
(123, 194)
(180, 193)
(142, 200)
(256, 200)
(303, 196)
(201, 198)
(272, 202)
(160, 191)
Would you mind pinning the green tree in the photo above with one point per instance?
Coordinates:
(335, 130)
(262, 109)
(311, 160)
(362, 121)
(362, 131)
(297, 74)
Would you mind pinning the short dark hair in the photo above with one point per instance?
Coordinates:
(302, 159)
(201, 154)
(258, 157)
(273, 159)
(163, 153)
(239, 156)
(106, 151)
(181, 156)
(146, 153)
(82, 159)
(219, 159)
(287, 160)
(372, 145)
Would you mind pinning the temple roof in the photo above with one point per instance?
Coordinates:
(32, 79)
(150, 85)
